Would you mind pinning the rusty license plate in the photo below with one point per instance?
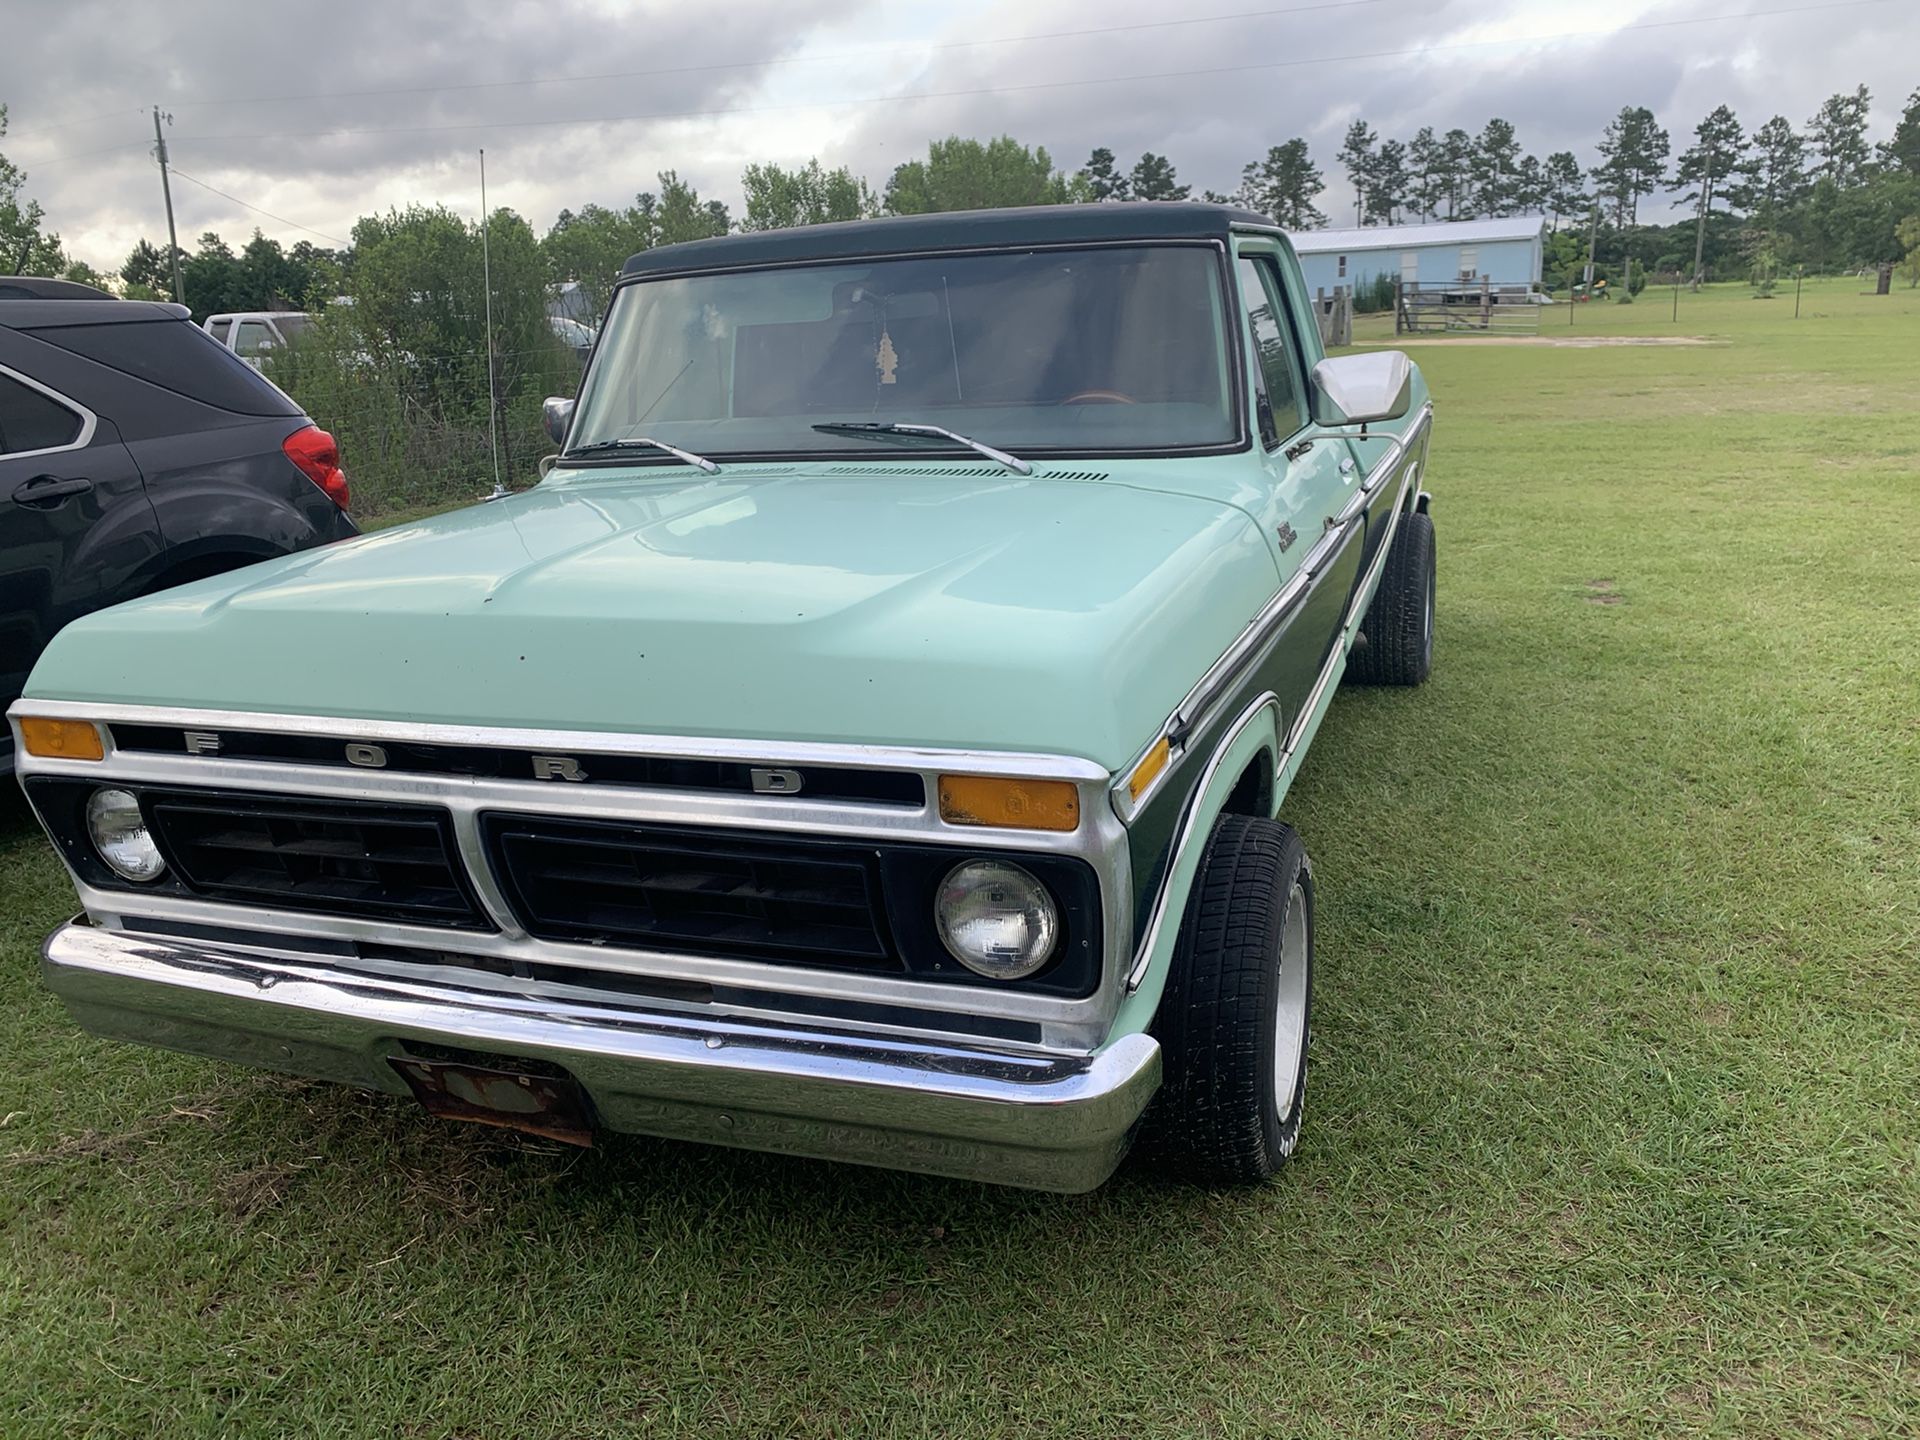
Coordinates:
(546, 1105)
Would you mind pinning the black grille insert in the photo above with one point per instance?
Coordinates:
(392, 861)
(697, 892)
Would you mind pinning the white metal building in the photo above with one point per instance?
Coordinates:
(1503, 252)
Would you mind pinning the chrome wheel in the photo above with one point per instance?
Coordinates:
(1290, 1011)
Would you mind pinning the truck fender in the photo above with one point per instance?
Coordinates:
(1255, 736)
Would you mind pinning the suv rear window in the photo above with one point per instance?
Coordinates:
(176, 356)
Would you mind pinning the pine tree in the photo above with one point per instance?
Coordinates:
(1838, 134)
(1356, 153)
(1717, 156)
(1282, 185)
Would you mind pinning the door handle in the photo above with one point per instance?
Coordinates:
(48, 489)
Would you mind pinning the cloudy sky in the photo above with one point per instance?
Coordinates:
(318, 113)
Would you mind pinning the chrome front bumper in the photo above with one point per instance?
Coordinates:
(1046, 1122)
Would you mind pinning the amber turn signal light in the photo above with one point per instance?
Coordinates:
(1149, 768)
(1009, 804)
(61, 739)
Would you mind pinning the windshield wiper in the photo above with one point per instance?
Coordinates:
(643, 442)
(932, 432)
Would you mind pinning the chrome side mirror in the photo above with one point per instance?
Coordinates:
(557, 414)
(1360, 389)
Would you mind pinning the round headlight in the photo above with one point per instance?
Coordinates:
(120, 835)
(996, 919)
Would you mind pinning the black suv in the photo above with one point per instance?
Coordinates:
(136, 453)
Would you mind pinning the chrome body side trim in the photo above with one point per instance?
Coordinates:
(1310, 708)
(1075, 1025)
(968, 1110)
(1226, 676)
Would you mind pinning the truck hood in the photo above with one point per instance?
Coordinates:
(922, 606)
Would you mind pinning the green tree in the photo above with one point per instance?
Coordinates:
(1842, 227)
(1426, 181)
(1838, 136)
(1456, 171)
(1566, 188)
(779, 198)
(1776, 177)
(1903, 151)
(1153, 179)
(1387, 182)
(1496, 159)
(1908, 234)
(145, 274)
(1282, 186)
(681, 215)
(1711, 166)
(1103, 178)
(1633, 160)
(27, 247)
(589, 245)
(960, 174)
(1356, 154)
(211, 278)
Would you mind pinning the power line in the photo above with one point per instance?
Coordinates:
(182, 175)
(1204, 72)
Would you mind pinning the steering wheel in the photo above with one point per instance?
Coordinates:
(1100, 397)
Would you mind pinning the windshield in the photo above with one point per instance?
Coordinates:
(1099, 350)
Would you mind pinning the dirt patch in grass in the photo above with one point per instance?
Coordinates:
(1558, 342)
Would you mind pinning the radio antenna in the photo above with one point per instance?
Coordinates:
(486, 273)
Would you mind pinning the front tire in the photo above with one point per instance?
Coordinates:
(1399, 623)
(1233, 1025)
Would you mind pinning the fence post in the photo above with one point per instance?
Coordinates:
(1486, 305)
(1399, 306)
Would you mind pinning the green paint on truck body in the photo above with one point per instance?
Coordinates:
(888, 602)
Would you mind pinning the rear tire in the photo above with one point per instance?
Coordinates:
(1399, 623)
(1234, 1025)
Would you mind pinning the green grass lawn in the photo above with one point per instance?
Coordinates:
(1615, 1107)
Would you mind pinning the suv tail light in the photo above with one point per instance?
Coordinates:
(318, 457)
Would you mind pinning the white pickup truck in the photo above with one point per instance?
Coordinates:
(253, 333)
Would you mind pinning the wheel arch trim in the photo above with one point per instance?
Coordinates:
(1258, 730)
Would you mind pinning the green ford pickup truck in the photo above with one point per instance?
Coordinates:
(866, 740)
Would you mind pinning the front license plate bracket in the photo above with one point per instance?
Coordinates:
(551, 1106)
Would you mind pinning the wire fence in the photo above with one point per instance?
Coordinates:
(411, 420)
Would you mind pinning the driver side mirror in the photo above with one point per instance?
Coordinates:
(1361, 389)
(556, 413)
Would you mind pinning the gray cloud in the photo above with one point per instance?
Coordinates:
(553, 145)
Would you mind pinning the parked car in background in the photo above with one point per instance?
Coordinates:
(577, 337)
(136, 454)
(253, 334)
(867, 741)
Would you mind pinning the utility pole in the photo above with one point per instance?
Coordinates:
(166, 189)
(1593, 238)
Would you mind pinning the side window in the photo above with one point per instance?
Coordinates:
(1469, 262)
(254, 337)
(32, 421)
(219, 329)
(1277, 377)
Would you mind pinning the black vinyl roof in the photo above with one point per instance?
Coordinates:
(953, 230)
